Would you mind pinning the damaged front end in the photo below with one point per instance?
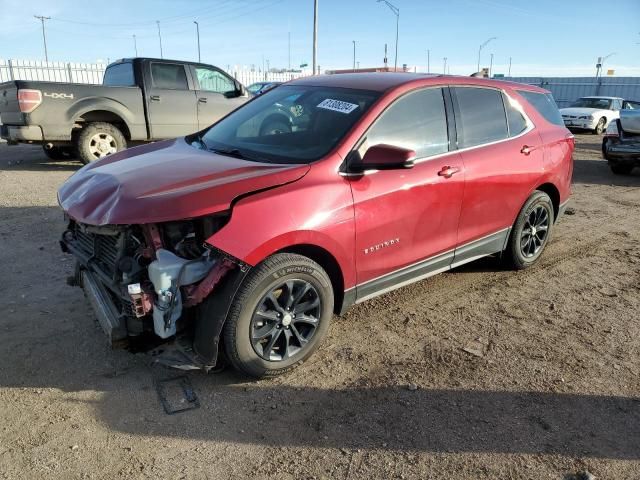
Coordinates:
(147, 284)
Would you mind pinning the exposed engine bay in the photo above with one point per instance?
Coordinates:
(144, 280)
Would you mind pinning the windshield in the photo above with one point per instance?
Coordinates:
(289, 124)
(599, 103)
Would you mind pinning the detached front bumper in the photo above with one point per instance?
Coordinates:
(18, 134)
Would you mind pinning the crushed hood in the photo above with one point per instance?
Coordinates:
(165, 181)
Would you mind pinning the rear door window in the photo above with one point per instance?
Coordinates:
(416, 121)
(169, 76)
(545, 105)
(480, 116)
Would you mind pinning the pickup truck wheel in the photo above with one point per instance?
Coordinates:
(97, 140)
(531, 232)
(279, 316)
(600, 126)
(58, 153)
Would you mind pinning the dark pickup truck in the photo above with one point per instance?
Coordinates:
(140, 100)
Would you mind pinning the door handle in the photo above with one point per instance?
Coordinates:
(448, 172)
(526, 150)
(155, 98)
(202, 99)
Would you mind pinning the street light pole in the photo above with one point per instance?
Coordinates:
(159, 37)
(444, 69)
(599, 71)
(509, 75)
(396, 12)
(135, 44)
(198, 35)
(315, 35)
(480, 49)
(354, 55)
(44, 37)
(428, 60)
(491, 65)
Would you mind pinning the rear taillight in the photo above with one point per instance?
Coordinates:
(612, 130)
(29, 100)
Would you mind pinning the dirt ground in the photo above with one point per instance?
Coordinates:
(551, 388)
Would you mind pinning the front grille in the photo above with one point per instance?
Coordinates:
(104, 249)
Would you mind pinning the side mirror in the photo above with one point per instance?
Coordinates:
(385, 157)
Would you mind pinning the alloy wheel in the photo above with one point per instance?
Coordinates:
(285, 320)
(102, 144)
(535, 231)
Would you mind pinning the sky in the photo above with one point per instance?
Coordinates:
(542, 37)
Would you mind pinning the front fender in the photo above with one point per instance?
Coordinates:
(311, 211)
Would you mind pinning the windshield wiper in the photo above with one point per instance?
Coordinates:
(230, 152)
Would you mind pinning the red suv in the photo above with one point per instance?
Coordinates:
(245, 238)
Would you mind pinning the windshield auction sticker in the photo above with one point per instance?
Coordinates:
(337, 106)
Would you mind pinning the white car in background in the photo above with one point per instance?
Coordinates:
(592, 113)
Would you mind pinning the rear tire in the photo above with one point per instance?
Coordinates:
(600, 126)
(263, 338)
(98, 140)
(531, 232)
(621, 169)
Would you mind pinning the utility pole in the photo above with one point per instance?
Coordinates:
(428, 61)
(480, 49)
(385, 56)
(354, 55)
(159, 37)
(289, 42)
(396, 12)
(509, 75)
(135, 44)
(444, 69)
(315, 35)
(491, 66)
(198, 34)
(44, 37)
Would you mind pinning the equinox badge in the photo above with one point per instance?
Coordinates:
(380, 246)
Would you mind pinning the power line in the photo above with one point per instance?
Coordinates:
(149, 23)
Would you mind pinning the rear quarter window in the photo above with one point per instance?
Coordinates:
(120, 75)
(545, 105)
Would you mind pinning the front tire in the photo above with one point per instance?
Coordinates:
(600, 126)
(280, 315)
(97, 140)
(531, 232)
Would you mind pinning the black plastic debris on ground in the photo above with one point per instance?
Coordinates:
(176, 394)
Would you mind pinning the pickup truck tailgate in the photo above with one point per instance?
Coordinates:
(10, 113)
